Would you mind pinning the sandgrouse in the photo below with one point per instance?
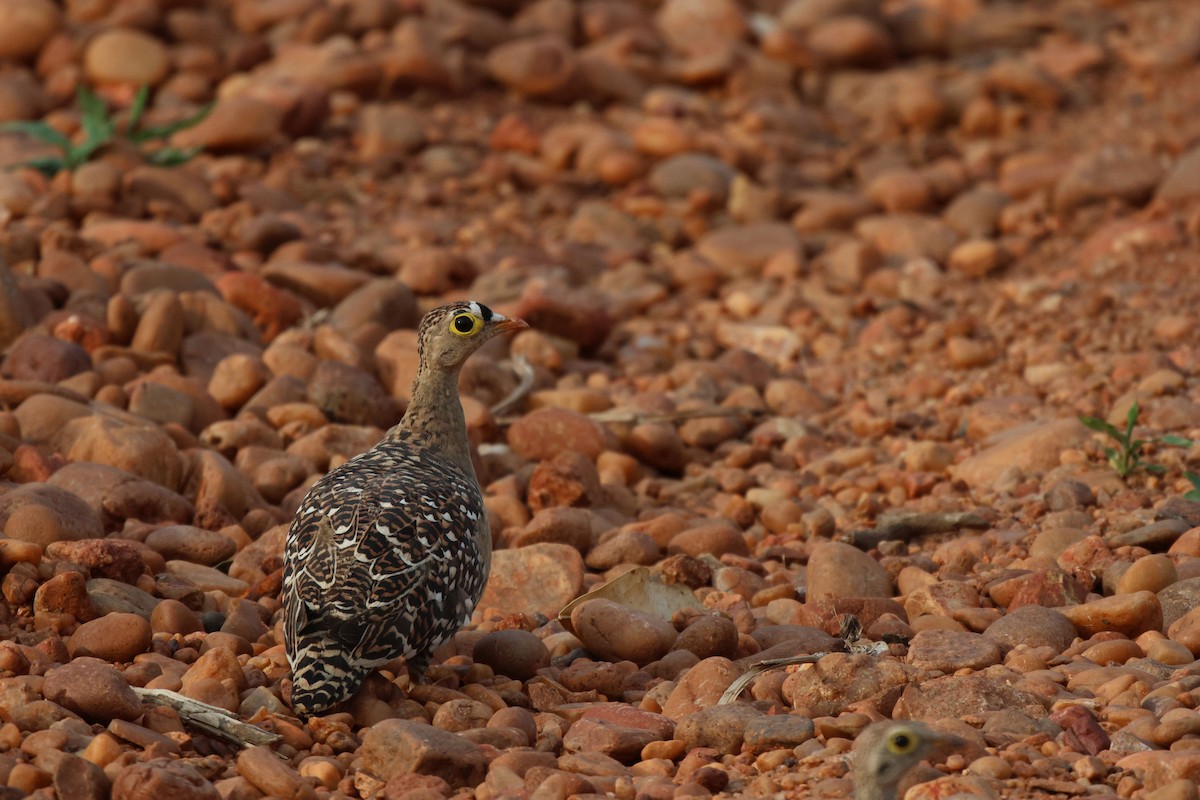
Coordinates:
(389, 552)
(886, 751)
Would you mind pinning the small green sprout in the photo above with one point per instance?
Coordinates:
(1126, 457)
(100, 129)
(163, 156)
(1194, 492)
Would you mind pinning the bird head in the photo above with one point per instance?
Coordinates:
(886, 751)
(450, 333)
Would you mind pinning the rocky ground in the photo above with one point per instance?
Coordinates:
(818, 292)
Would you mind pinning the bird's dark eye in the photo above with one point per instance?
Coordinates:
(901, 743)
(465, 324)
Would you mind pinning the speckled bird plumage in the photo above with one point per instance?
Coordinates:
(389, 553)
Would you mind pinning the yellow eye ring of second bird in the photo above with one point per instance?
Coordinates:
(901, 743)
(465, 324)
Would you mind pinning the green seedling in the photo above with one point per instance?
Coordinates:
(100, 129)
(163, 156)
(1126, 456)
(1194, 492)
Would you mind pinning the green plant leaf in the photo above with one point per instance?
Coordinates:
(1176, 441)
(136, 110)
(47, 165)
(1157, 469)
(78, 154)
(1193, 479)
(1193, 495)
(1131, 418)
(172, 156)
(1101, 426)
(40, 130)
(165, 131)
(97, 125)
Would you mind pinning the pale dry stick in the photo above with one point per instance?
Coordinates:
(903, 525)
(210, 719)
(525, 378)
(623, 416)
(738, 686)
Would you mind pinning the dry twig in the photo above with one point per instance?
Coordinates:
(851, 631)
(620, 416)
(210, 719)
(628, 417)
(738, 686)
(525, 377)
(904, 525)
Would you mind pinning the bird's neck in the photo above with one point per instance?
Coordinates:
(435, 417)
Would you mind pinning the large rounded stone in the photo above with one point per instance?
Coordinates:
(1033, 447)
(546, 432)
(1130, 614)
(38, 357)
(691, 26)
(513, 653)
(398, 746)
(65, 593)
(949, 651)
(45, 514)
(700, 687)
(162, 778)
(839, 680)
(618, 633)
(190, 543)
(712, 538)
(25, 26)
(709, 635)
(144, 450)
(1036, 626)
(1178, 599)
(537, 66)
(126, 56)
(93, 689)
(537, 579)
(113, 637)
(837, 569)
(721, 727)
(352, 395)
(105, 558)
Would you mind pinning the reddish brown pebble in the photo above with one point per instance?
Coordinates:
(113, 637)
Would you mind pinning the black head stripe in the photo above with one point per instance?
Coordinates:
(485, 312)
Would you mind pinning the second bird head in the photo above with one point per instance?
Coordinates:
(450, 333)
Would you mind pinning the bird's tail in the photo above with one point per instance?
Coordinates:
(323, 675)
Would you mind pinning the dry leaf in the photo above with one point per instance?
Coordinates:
(641, 589)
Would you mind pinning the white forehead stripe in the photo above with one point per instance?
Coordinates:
(484, 313)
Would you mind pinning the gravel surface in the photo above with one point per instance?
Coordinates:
(819, 291)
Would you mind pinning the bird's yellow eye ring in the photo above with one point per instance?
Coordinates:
(902, 743)
(465, 324)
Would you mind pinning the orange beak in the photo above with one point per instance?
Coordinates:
(508, 323)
